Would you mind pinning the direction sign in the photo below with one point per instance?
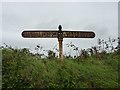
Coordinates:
(78, 34)
(54, 34)
(40, 34)
(58, 34)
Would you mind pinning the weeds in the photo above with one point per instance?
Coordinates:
(90, 69)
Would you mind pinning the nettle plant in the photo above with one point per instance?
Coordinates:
(73, 47)
(104, 46)
(108, 45)
(41, 52)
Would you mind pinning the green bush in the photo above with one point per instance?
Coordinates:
(20, 69)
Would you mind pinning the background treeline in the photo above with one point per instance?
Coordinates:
(95, 67)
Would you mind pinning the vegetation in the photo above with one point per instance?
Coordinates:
(22, 69)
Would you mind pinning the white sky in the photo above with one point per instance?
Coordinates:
(59, 0)
(100, 17)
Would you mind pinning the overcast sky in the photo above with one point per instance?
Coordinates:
(100, 17)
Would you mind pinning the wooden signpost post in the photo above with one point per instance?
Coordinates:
(58, 34)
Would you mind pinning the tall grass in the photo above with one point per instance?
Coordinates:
(21, 69)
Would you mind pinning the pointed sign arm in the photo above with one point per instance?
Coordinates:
(40, 34)
(78, 34)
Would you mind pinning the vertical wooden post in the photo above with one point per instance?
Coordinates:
(60, 50)
(60, 39)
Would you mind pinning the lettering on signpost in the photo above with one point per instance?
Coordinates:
(58, 34)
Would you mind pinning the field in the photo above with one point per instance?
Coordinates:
(22, 69)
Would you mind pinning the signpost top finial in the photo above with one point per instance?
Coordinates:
(60, 27)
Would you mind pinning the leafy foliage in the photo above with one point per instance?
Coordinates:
(22, 69)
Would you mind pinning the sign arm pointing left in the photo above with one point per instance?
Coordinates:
(40, 34)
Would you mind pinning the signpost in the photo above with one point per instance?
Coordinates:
(58, 34)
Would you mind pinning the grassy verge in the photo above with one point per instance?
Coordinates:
(22, 70)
